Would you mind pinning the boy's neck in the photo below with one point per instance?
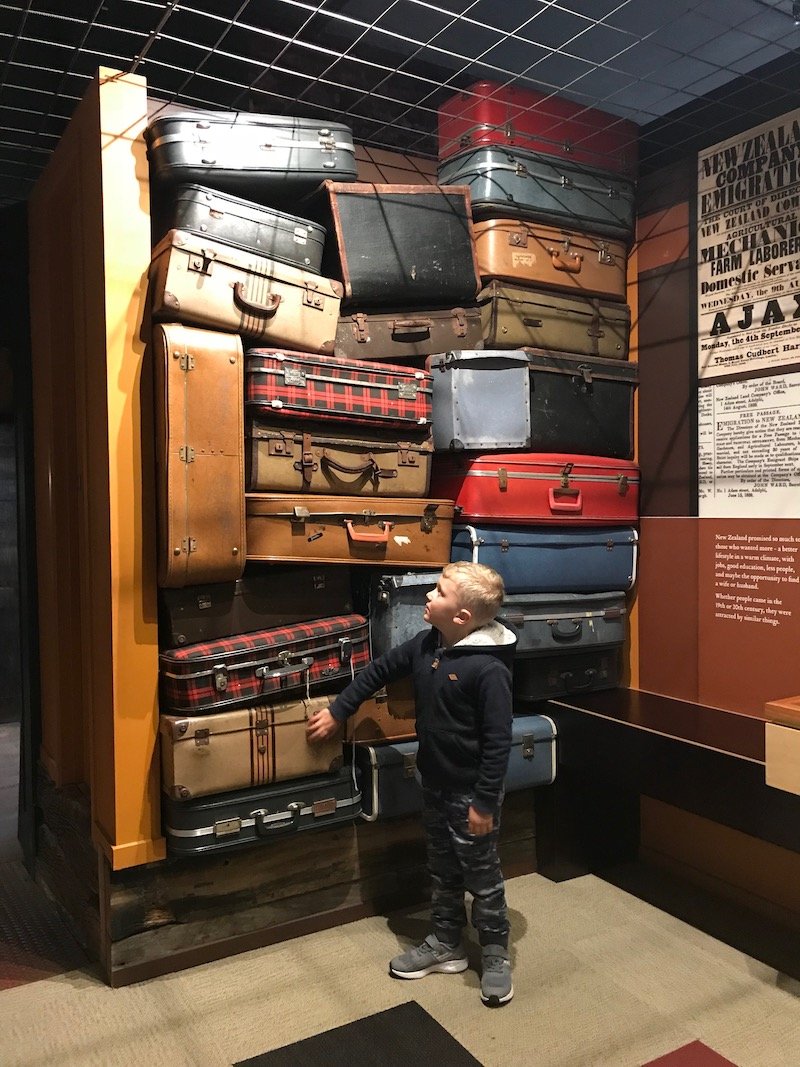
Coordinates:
(454, 633)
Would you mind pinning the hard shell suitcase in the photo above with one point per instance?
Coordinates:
(533, 752)
(548, 623)
(263, 666)
(495, 400)
(272, 159)
(403, 334)
(389, 781)
(396, 603)
(579, 559)
(199, 455)
(392, 531)
(531, 488)
(223, 821)
(230, 750)
(563, 673)
(303, 385)
(507, 183)
(516, 317)
(264, 598)
(377, 720)
(323, 459)
(402, 245)
(531, 253)
(205, 282)
(490, 113)
(232, 220)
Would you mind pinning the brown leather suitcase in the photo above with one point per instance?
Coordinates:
(391, 531)
(321, 459)
(200, 455)
(530, 253)
(397, 335)
(230, 750)
(201, 281)
(377, 720)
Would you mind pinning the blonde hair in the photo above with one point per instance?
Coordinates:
(480, 588)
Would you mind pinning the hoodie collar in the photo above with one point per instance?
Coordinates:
(492, 633)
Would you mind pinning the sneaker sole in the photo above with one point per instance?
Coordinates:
(493, 1001)
(449, 967)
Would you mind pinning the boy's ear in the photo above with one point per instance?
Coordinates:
(463, 617)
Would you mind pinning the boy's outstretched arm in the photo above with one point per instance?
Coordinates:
(322, 726)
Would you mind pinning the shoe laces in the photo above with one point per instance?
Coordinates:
(494, 961)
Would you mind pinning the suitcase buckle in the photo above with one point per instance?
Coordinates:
(527, 747)
(407, 390)
(405, 458)
(312, 297)
(409, 764)
(360, 330)
(201, 262)
(201, 737)
(220, 677)
(604, 256)
(460, 317)
(566, 470)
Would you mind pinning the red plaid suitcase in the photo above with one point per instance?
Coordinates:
(258, 667)
(303, 385)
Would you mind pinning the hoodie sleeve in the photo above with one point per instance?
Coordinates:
(494, 693)
(396, 663)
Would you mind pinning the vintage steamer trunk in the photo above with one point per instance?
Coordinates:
(403, 245)
(396, 603)
(392, 532)
(377, 720)
(562, 673)
(199, 454)
(495, 400)
(547, 623)
(531, 488)
(267, 158)
(516, 317)
(232, 220)
(322, 459)
(489, 113)
(202, 281)
(303, 385)
(260, 667)
(248, 747)
(223, 821)
(389, 781)
(582, 559)
(531, 253)
(264, 598)
(404, 334)
(528, 185)
(533, 752)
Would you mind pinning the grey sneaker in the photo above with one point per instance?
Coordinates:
(496, 987)
(432, 955)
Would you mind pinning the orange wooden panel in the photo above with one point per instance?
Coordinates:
(662, 238)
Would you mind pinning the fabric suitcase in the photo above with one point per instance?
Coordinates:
(528, 185)
(516, 317)
(392, 531)
(232, 220)
(404, 334)
(533, 752)
(389, 781)
(205, 282)
(495, 400)
(580, 559)
(563, 673)
(547, 623)
(323, 459)
(530, 253)
(247, 747)
(396, 604)
(272, 159)
(264, 598)
(199, 455)
(224, 821)
(304, 385)
(261, 667)
(402, 245)
(531, 488)
(489, 113)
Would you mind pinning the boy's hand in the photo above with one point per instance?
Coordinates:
(322, 726)
(480, 824)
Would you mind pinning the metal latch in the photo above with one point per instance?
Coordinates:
(409, 764)
(566, 470)
(520, 170)
(294, 376)
(527, 746)
(461, 322)
(185, 360)
(324, 807)
(566, 182)
(428, 520)
(613, 193)
(407, 390)
(225, 827)
(201, 737)
(188, 545)
(220, 677)
(502, 478)
(504, 545)
(201, 262)
(604, 256)
(260, 729)
(586, 374)
(622, 484)
(186, 452)
(360, 330)
(405, 456)
(518, 238)
(312, 297)
(345, 649)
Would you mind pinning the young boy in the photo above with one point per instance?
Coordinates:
(462, 689)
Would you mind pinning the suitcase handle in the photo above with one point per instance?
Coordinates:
(290, 668)
(370, 538)
(241, 301)
(401, 326)
(368, 465)
(263, 829)
(571, 268)
(566, 629)
(559, 504)
(569, 678)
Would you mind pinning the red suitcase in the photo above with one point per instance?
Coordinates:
(490, 114)
(533, 488)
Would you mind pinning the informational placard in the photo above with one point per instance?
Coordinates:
(748, 250)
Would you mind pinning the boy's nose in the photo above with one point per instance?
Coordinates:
(429, 595)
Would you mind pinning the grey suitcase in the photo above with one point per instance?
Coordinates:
(533, 753)
(396, 603)
(388, 779)
(547, 623)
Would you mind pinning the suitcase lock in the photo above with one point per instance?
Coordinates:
(220, 677)
(622, 484)
(312, 297)
(201, 262)
(502, 479)
(407, 390)
(345, 649)
(566, 182)
(428, 520)
(202, 737)
(260, 729)
(360, 328)
(527, 747)
(604, 256)
(409, 764)
(585, 373)
(460, 317)
(566, 470)
(518, 238)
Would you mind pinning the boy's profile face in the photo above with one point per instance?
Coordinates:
(444, 604)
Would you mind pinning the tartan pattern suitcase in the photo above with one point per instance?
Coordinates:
(303, 385)
(403, 334)
(199, 455)
(547, 623)
(396, 603)
(562, 673)
(530, 253)
(518, 317)
(198, 280)
(322, 459)
(532, 761)
(389, 781)
(532, 488)
(377, 720)
(224, 821)
(263, 666)
(238, 749)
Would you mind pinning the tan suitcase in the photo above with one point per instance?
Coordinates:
(392, 531)
(531, 253)
(197, 280)
(378, 720)
(319, 459)
(200, 455)
(230, 750)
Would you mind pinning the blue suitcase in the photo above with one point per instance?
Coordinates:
(388, 778)
(553, 559)
(533, 753)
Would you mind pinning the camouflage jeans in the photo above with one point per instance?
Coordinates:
(459, 861)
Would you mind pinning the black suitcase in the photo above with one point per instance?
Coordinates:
(562, 673)
(223, 821)
(547, 623)
(400, 334)
(232, 220)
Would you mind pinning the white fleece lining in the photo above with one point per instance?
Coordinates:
(493, 633)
